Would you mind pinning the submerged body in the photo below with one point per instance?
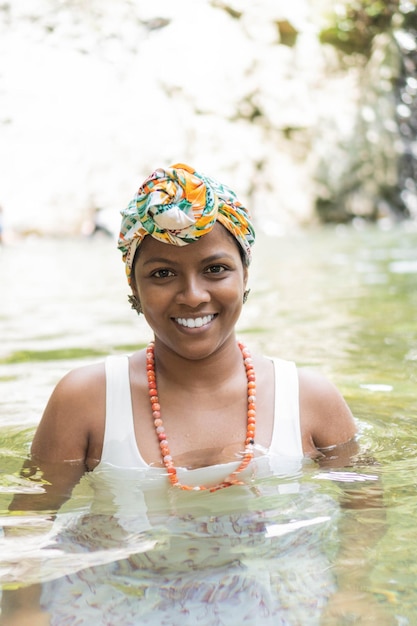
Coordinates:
(261, 559)
(258, 558)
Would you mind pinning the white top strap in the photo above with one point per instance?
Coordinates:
(119, 446)
(286, 435)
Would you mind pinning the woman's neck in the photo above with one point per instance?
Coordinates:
(203, 369)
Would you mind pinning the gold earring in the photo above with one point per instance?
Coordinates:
(135, 303)
(245, 295)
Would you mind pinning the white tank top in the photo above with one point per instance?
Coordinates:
(120, 448)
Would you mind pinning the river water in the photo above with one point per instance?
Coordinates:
(342, 300)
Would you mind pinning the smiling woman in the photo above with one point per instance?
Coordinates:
(193, 412)
(191, 296)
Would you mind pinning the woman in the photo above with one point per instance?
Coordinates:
(194, 410)
(186, 242)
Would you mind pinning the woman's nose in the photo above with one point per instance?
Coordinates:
(192, 292)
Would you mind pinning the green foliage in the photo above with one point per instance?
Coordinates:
(354, 25)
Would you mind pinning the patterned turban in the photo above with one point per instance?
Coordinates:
(178, 205)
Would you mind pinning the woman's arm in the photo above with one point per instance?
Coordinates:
(329, 435)
(72, 426)
(68, 440)
(21, 606)
(66, 444)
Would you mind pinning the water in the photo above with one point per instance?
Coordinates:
(342, 300)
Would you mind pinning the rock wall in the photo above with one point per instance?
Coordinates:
(95, 94)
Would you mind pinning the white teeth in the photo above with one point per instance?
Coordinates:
(192, 322)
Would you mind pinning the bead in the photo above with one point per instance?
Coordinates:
(160, 430)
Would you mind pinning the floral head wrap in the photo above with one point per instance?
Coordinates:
(178, 205)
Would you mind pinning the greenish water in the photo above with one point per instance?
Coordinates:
(341, 300)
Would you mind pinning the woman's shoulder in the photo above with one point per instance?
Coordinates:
(318, 391)
(89, 379)
(74, 415)
(325, 417)
(79, 397)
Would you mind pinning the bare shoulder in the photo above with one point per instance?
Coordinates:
(325, 417)
(73, 420)
(79, 389)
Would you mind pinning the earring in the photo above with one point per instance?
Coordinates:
(135, 303)
(245, 295)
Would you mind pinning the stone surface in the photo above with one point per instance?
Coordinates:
(95, 95)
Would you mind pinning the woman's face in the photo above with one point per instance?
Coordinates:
(191, 295)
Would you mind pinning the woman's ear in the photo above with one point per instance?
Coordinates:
(245, 276)
(133, 285)
(134, 288)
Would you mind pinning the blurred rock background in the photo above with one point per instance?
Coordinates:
(307, 109)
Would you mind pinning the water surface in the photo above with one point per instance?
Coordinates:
(342, 300)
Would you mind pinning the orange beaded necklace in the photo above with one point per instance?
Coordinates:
(160, 430)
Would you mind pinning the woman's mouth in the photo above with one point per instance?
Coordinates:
(194, 322)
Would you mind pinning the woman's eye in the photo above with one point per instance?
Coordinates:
(162, 273)
(216, 269)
